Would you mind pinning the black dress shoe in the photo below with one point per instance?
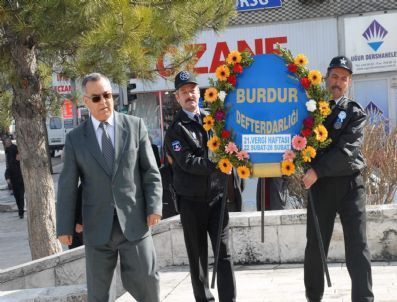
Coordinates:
(21, 216)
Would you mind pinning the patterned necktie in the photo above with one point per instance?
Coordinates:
(107, 146)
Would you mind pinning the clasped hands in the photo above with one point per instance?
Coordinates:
(309, 178)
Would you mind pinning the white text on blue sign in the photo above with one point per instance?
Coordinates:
(273, 143)
(244, 5)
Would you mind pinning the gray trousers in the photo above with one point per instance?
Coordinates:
(137, 264)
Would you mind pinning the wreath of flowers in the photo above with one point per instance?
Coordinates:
(313, 135)
(225, 152)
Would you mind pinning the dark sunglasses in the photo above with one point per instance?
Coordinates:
(98, 98)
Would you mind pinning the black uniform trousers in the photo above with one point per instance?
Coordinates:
(346, 196)
(198, 219)
(18, 189)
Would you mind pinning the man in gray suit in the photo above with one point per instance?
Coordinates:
(110, 153)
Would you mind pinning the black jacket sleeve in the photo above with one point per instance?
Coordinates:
(344, 156)
(187, 153)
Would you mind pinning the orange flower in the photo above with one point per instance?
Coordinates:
(308, 153)
(301, 60)
(225, 165)
(210, 95)
(208, 122)
(315, 77)
(321, 133)
(324, 109)
(243, 172)
(233, 57)
(213, 143)
(222, 72)
(287, 167)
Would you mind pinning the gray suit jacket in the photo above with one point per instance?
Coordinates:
(133, 188)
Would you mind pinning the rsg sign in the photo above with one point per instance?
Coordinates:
(244, 5)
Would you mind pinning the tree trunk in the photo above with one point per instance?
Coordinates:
(28, 111)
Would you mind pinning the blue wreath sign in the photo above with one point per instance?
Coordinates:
(265, 111)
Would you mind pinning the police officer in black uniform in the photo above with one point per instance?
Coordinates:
(336, 186)
(199, 186)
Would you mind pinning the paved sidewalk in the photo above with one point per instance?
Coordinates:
(279, 283)
(14, 244)
(255, 283)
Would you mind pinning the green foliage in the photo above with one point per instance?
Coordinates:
(5, 110)
(130, 40)
(119, 38)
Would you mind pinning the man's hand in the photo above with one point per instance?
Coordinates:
(78, 228)
(309, 178)
(66, 239)
(153, 219)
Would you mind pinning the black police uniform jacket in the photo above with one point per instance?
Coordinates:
(195, 176)
(345, 127)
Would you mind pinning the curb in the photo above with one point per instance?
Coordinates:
(8, 207)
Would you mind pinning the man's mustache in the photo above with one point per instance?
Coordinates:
(337, 87)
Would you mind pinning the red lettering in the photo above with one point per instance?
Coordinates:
(242, 45)
(271, 42)
(63, 88)
(258, 46)
(202, 48)
(161, 68)
(220, 49)
(164, 71)
(220, 53)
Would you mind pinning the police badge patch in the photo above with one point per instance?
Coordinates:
(340, 119)
(176, 146)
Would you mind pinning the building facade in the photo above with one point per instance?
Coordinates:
(365, 31)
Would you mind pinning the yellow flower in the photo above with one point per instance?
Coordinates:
(211, 94)
(233, 57)
(321, 133)
(243, 172)
(208, 122)
(324, 109)
(308, 153)
(225, 165)
(315, 77)
(301, 60)
(213, 143)
(287, 167)
(222, 72)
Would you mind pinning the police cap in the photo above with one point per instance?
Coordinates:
(341, 62)
(184, 77)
